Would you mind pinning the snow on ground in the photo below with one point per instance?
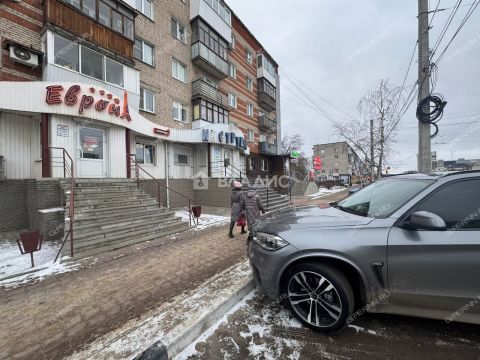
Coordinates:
(12, 262)
(324, 191)
(205, 220)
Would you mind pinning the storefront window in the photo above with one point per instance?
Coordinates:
(92, 64)
(91, 141)
(66, 53)
(182, 155)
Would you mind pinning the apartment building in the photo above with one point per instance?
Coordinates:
(338, 161)
(181, 84)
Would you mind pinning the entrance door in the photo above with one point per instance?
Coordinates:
(91, 161)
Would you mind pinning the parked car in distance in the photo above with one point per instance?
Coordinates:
(407, 244)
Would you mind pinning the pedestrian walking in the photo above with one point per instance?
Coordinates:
(238, 207)
(253, 208)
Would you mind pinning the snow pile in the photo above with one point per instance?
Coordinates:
(323, 192)
(205, 221)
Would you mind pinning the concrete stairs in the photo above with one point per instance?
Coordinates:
(112, 213)
(273, 201)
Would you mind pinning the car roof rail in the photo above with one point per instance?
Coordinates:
(461, 172)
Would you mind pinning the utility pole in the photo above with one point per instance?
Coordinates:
(424, 141)
(372, 153)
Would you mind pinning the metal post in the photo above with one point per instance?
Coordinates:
(190, 212)
(64, 166)
(268, 201)
(158, 194)
(424, 140)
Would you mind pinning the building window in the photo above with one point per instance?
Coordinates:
(147, 100)
(233, 71)
(143, 52)
(232, 42)
(232, 100)
(264, 164)
(145, 153)
(207, 111)
(249, 56)
(66, 53)
(249, 84)
(322, 151)
(179, 112)
(110, 14)
(179, 71)
(251, 136)
(181, 154)
(145, 7)
(262, 61)
(263, 138)
(250, 110)
(114, 72)
(178, 31)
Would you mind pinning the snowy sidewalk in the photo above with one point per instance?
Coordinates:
(68, 311)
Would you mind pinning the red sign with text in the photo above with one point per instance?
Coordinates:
(317, 163)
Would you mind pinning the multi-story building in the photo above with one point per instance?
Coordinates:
(339, 161)
(181, 84)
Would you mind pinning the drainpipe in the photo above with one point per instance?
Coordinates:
(167, 173)
(46, 169)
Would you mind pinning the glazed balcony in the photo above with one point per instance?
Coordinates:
(267, 95)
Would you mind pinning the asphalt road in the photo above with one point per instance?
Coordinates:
(262, 329)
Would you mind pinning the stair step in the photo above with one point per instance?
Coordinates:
(119, 209)
(102, 205)
(132, 236)
(125, 229)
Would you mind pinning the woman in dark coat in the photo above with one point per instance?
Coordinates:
(253, 208)
(238, 206)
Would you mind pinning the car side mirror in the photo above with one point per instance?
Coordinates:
(427, 221)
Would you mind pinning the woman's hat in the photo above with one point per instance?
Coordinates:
(237, 184)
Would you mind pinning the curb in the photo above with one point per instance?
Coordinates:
(161, 351)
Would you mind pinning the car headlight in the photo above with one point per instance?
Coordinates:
(269, 242)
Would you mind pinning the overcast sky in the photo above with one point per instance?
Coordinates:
(341, 49)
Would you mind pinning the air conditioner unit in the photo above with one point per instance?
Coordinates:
(23, 56)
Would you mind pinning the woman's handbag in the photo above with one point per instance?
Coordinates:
(242, 221)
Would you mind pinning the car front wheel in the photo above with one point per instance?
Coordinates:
(320, 296)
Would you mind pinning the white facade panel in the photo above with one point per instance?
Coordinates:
(20, 145)
(157, 170)
(205, 11)
(175, 169)
(117, 156)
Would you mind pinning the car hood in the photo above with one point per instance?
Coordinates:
(308, 217)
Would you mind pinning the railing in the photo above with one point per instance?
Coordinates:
(136, 171)
(66, 162)
(200, 50)
(230, 171)
(266, 148)
(265, 123)
(202, 89)
(3, 171)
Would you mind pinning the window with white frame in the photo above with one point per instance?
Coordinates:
(221, 9)
(179, 112)
(81, 59)
(263, 138)
(249, 56)
(232, 100)
(178, 30)
(250, 109)
(179, 71)
(182, 155)
(232, 42)
(144, 152)
(233, 71)
(249, 84)
(145, 7)
(144, 52)
(251, 136)
(264, 164)
(147, 100)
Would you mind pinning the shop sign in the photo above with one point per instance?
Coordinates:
(228, 138)
(103, 102)
(295, 154)
(317, 163)
(161, 132)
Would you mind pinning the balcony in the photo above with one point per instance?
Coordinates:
(265, 124)
(266, 95)
(203, 90)
(215, 14)
(268, 149)
(208, 61)
(63, 15)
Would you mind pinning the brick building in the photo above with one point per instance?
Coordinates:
(338, 162)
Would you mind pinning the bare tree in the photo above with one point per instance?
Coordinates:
(292, 142)
(373, 133)
(301, 168)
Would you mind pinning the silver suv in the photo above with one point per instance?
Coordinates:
(406, 245)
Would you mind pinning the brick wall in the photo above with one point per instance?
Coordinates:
(20, 201)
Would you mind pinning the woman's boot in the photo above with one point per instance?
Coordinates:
(230, 234)
(243, 230)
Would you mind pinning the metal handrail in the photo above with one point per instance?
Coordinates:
(68, 171)
(137, 168)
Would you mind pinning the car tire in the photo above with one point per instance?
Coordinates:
(325, 309)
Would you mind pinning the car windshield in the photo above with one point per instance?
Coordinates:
(382, 198)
